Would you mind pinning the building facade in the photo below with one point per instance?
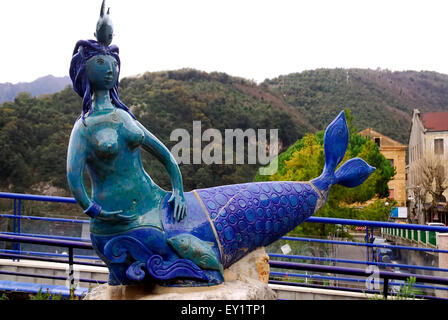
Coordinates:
(395, 152)
(428, 139)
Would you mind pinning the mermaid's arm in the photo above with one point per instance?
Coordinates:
(76, 160)
(161, 152)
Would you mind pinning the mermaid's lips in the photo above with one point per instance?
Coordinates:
(108, 79)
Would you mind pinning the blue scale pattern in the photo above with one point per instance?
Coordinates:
(247, 216)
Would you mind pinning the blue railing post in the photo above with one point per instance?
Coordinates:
(367, 241)
(19, 214)
(371, 241)
(14, 223)
(385, 287)
(71, 278)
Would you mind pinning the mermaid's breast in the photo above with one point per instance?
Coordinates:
(105, 143)
(112, 132)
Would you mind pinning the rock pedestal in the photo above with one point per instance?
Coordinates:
(246, 279)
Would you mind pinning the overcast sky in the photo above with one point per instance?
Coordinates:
(254, 39)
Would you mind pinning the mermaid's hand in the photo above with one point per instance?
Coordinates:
(180, 206)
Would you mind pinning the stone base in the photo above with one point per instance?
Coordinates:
(232, 290)
(245, 280)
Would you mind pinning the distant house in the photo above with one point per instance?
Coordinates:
(428, 139)
(395, 152)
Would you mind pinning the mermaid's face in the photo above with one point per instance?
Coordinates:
(102, 72)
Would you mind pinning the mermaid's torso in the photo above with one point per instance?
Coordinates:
(117, 177)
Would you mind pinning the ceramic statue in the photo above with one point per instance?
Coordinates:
(174, 238)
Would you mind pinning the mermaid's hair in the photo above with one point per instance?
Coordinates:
(84, 50)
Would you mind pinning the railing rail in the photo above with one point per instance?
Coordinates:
(44, 218)
(364, 244)
(37, 258)
(350, 261)
(377, 224)
(46, 241)
(21, 196)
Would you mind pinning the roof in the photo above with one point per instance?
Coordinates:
(435, 121)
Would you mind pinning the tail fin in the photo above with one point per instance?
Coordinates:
(350, 174)
(354, 172)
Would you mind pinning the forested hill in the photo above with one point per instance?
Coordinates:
(380, 99)
(44, 85)
(34, 132)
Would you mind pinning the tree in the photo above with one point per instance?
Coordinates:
(305, 161)
(431, 181)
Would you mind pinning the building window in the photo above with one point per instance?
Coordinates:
(378, 142)
(438, 146)
(391, 194)
(391, 162)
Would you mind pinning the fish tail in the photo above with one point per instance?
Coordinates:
(353, 172)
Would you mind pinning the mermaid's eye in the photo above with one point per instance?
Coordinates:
(100, 61)
(116, 63)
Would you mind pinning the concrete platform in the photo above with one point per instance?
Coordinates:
(249, 289)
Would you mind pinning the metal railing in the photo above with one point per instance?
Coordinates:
(424, 237)
(385, 275)
(71, 243)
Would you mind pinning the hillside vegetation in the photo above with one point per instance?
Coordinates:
(34, 132)
(380, 99)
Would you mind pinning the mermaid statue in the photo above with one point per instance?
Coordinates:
(146, 234)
